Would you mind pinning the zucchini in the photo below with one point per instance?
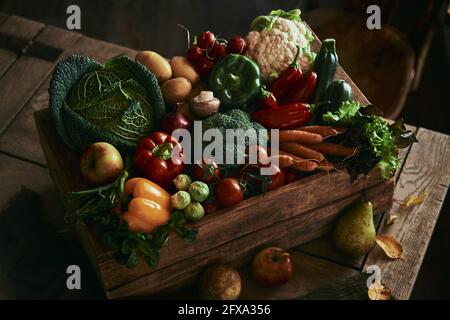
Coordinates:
(325, 66)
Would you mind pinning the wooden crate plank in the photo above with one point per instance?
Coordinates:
(19, 27)
(23, 128)
(236, 252)
(324, 248)
(427, 168)
(310, 274)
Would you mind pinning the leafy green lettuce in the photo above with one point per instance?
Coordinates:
(377, 141)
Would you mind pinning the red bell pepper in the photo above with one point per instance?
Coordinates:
(286, 117)
(286, 78)
(154, 159)
(302, 90)
(266, 99)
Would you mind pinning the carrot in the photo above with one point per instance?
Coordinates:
(301, 151)
(299, 136)
(300, 163)
(325, 166)
(284, 161)
(324, 131)
(333, 149)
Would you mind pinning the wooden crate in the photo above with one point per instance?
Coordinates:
(286, 217)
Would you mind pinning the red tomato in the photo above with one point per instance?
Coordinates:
(291, 175)
(229, 192)
(218, 51)
(277, 180)
(206, 40)
(207, 172)
(204, 66)
(272, 267)
(195, 53)
(237, 45)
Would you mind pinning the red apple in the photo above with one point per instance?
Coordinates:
(272, 267)
(100, 164)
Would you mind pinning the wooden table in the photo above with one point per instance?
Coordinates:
(28, 53)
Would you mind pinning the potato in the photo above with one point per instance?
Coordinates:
(219, 282)
(199, 87)
(157, 65)
(181, 67)
(176, 90)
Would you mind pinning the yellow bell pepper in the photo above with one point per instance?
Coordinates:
(150, 206)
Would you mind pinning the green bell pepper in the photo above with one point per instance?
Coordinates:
(235, 81)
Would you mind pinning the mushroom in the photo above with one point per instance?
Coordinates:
(204, 105)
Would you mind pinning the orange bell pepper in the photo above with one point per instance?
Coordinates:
(150, 206)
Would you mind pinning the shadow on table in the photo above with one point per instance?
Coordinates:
(34, 258)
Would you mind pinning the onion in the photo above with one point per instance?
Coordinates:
(174, 120)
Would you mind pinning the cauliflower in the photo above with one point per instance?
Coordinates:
(273, 45)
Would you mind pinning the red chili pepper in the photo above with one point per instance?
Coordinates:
(266, 99)
(286, 117)
(286, 78)
(302, 90)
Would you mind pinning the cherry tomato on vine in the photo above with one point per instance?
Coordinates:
(204, 66)
(229, 192)
(217, 51)
(237, 45)
(195, 53)
(206, 40)
(207, 172)
(277, 180)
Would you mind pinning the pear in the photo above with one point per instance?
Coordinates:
(354, 233)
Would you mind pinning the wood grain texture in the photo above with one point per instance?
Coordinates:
(310, 274)
(23, 127)
(427, 168)
(20, 27)
(324, 248)
(236, 252)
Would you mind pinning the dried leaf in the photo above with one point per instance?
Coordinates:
(414, 200)
(379, 292)
(391, 219)
(390, 246)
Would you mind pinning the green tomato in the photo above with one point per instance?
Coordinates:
(199, 191)
(194, 211)
(182, 182)
(180, 200)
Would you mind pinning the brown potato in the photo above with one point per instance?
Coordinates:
(181, 67)
(157, 65)
(176, 90)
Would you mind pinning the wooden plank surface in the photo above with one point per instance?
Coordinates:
(324, 247)
(233, 252)
(23, 128)
(310, 274)
(20, 27)
(427, 168)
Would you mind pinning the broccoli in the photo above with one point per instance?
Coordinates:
(236, 119)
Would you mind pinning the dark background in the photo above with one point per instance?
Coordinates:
(152, 25)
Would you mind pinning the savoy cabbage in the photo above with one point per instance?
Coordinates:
(117, 102)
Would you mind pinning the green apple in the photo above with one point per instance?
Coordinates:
(100, 163)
